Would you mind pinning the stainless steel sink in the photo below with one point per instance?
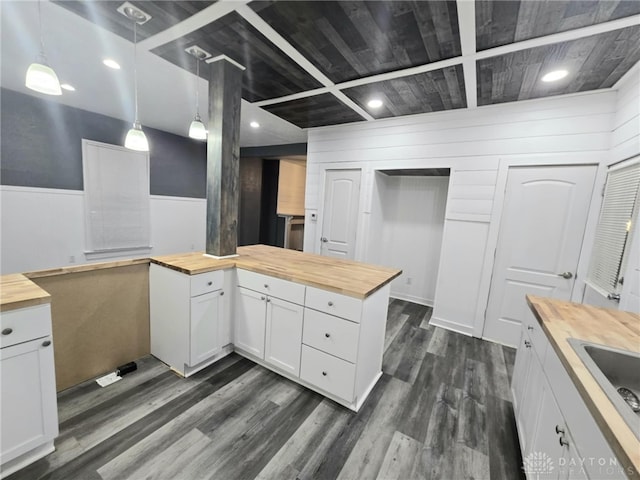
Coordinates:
(613, 369)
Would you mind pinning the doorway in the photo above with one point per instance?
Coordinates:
(541, 231)
(340, 213)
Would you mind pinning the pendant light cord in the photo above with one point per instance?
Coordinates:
(197, 89)
(40, 28)
(135, 68)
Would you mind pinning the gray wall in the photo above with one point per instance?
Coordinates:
(41, 147)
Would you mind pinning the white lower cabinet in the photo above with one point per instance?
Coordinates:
(190, 324)
(28, 403)
(559, 438)
(327, 372)
(283, 335)
(250, 321)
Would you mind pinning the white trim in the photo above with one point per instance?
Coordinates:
(627, 76)
(52, 191)
(453, 326)
(192, 23)
(293, 96)
(412, 299)
(467, 28)
(224, 57)
(220, 258)
(350, 103)
(178, 199)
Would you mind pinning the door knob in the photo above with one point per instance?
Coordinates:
(566, 275)
(324, 239)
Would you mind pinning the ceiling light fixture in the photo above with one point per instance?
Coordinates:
(40, 76)
(374, 103)
(555, 75)
(68, 87)
(254, 124)
(135, 139)
(197, 129)
(111, 63)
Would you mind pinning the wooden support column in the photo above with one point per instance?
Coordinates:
(223, 152)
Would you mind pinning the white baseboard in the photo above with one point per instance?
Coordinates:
(454, 326)
(412, 299)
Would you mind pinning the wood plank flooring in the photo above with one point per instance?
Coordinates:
(441, 410)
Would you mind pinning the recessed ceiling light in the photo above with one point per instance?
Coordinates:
(555, 75)
(66, 86)
(254, 124)
(111, 63)
(374, 103)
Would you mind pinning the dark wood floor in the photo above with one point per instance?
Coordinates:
(441, 410)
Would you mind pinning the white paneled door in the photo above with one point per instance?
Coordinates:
(340, 213)
(541, 231)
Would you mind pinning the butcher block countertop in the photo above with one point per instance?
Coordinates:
(347, 277)
(17, 291)
(562, 320)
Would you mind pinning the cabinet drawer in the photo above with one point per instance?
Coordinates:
(275, 287)
(24, 324)
(328, 373)
(206, 282)
(331, 334)
(334, 303)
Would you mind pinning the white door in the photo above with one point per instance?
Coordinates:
(284, 335)
(250, 321)
(206, 314)
(340, 213)
(543, 220)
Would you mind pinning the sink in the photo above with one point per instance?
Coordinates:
(613, 368)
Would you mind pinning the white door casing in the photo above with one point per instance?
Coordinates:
(340, 213)
(541, 233)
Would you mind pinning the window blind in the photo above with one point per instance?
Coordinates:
(618, 213)
(116, 190)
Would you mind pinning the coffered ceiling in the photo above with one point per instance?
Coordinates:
(317, 63)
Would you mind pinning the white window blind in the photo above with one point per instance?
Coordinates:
(116, 192)
(618, 213)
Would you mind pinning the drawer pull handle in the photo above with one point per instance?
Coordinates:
(209, 283)
(222, 293)
(7, 331)
(559, 430)
(564, 442)
(330, 304)
(530, 328)
(327, 335)
(263, 297)
(527, 343)
(324, 374)
(46, 343)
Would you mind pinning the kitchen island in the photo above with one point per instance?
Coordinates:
(316, 320)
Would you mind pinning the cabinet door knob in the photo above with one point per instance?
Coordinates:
(7, 331)
(263, 297)
(209, 283)
(330, 304)
(222, 293)
(327, 335)
(324, 374)
(268, 300)
(564, 442)
(559, 430)
(266, 285)
(46, 343)
(530, 328)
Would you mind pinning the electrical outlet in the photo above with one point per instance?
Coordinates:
(314, 217)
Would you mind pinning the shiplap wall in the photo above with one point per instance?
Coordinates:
(43, 228)
(478, 146)
(409, 216)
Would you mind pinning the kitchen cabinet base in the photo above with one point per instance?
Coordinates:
(187, 371)
(26, 459)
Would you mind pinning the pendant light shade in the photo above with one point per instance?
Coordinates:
(136, 139)
(40, 76)
(197, 129)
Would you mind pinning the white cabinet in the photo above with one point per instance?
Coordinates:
(268, 321)
(283, 335)
(559, 438)
(250, 321)
(190, 323)
(29, 415)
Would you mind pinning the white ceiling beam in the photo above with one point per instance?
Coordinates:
(560, 37)
(293, 96)
(193, 23)
(467, 29)
(350, 103)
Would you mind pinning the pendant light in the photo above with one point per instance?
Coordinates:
(40, 76)
(135, 139)
(197, 129)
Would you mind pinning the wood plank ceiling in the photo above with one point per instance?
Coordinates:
(317, 63)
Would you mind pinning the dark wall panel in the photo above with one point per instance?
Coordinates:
(271, 225)
(42, 147)
(250, 201)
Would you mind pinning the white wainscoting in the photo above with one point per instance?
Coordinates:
(44, 228)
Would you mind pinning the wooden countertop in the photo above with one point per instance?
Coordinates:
(17, 291)
(561, 320)
(347, 277)
(86, 267)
